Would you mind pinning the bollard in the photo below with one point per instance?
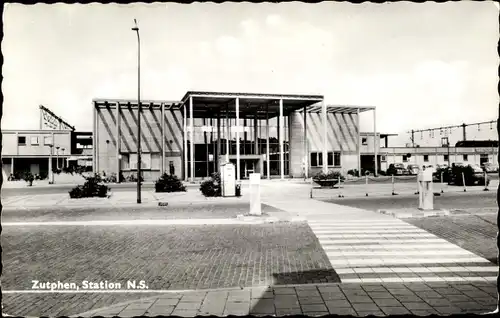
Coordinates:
(255, 204)
(366, 183)
(340, 191)
(442, 183)
(311, 192)
(393, 192)
(463, 180)
(486, 182)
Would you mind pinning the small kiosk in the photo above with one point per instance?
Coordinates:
(228, 179)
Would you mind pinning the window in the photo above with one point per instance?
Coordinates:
(47, 141)
(466, 157)
(21, 141)
(145, 161)
(426, 158)
(316, 159)
(445, 157)
(364, 141)
(34, 141)
(330, 159)
(336, 159)
(383, 158)
(405, 158)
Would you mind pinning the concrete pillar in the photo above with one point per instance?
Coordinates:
(282, 165)
(238, 139)
(12, 165)
(256, 134)
(268, 164)
(94, 138)
(118, 142)
(376, 141)
(217, 155)
(191, 134)
(306, 154)
(162, 138)
(325, 138)
(228, 133)
(358, 144)
(184, 119)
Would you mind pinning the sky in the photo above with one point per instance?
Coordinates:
(421, 65)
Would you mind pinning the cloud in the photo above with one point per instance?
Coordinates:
(250, 27)
(274, 20)
(229, 46)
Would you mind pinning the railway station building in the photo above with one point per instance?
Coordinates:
(278, 136)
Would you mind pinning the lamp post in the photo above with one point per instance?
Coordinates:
(136, 29)
(107, 154)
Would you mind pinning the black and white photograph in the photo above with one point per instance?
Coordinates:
(264, 159)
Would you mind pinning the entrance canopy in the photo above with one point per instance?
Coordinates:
(208, 104)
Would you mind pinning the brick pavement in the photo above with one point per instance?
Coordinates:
(316, 300)
(166, 257)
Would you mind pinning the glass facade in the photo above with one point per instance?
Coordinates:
(205, 144)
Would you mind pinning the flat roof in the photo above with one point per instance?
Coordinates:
(340, 109)
(132, 103)
(209, 104)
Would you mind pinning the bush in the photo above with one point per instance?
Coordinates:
(29, 177)
(91, 188)
(331, 175)
(353, 172)
(133, 178)
(212, 187)
(169, 183)
(110, 179)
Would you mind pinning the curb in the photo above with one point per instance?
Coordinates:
(415, 214)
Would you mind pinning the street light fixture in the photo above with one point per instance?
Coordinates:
(136, 29)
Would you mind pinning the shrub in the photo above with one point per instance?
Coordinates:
(212, 187)
(110, 179)
(133, 178)
(169, 183)
(29, 177)
(331, 175)
(353, 172)
(91, 188)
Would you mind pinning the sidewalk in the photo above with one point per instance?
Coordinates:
(315, 300)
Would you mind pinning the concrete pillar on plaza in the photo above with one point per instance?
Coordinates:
(325, 138)
(162, 138)
(118, 142)
(191, 134)
(282, 165)
(268, 163)
(255, 134)
(306, 155)
(185, 145)
(12, 165)
(358, 143)
(228, 133)
(238, 139)
(218, 143)
(376, 141)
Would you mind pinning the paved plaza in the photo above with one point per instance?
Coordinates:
(315, 258)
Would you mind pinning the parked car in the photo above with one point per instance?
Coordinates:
(396, 169)
(472, 173)
(490, 167)
(413, 169)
